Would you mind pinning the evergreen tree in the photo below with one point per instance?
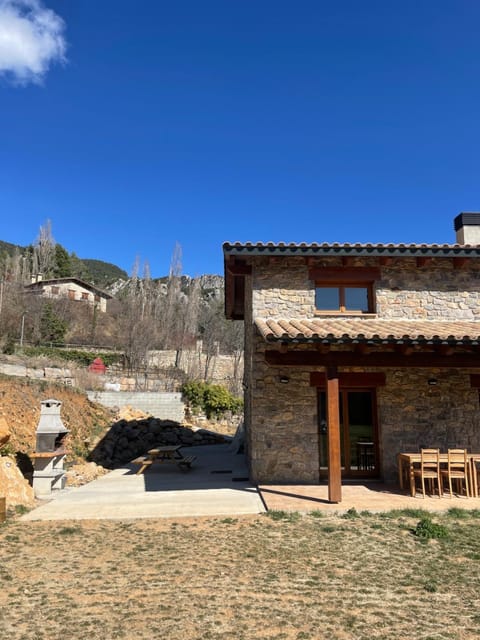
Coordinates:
(62, 264)
(52, 327)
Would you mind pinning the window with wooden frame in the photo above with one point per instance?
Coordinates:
(348, 291)
(85, 295)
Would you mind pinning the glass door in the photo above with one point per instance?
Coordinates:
(358, 433)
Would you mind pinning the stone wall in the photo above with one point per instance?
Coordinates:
(126, 440)
(167, 406)
(218, 368)
(285, 292)
(437, 291)
(283, 434)
(413, 414)
(283, 431)
(281, 420)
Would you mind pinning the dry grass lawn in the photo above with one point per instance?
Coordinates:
(277, 576)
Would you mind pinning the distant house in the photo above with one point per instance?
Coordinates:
(71, 288)
(356, 352)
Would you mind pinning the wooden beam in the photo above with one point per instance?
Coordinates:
(345, 274)
(366, 380)
(239, 269)
(445, 349)
(404, 349)
(423, 262)
(374, 359)
(333, 437)
(362, 349)
(385, 261)
(459, 263)
(229, 294)
(475, 380)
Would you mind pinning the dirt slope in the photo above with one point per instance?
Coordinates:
(20, 407)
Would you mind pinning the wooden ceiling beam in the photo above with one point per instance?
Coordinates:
(459, 263)
(374, 359)
(404, 349)
(363, 349)
(423, 261)
(239, 268)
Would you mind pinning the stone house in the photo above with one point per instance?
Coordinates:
(356, 352)
(71, 288)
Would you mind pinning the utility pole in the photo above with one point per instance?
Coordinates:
(22, 329)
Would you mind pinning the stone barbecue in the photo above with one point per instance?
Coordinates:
(49, 456)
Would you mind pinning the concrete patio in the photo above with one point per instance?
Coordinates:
(218, 485)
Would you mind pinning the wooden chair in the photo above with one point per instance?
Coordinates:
(457, 469)
(429, 470)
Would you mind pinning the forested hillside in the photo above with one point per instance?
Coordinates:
(102, 274)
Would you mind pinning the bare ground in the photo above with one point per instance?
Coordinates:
(281, 576)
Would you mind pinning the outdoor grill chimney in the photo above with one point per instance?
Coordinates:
(49, 456)
(467, 228)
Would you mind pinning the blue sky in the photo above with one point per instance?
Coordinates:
(134, 126)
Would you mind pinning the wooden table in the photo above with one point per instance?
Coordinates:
(164, 455)
(407, 462)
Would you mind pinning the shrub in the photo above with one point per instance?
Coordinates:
(213, 399)
(7, 449)
(426, 529)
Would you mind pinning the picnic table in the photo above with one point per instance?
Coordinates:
(169, 454)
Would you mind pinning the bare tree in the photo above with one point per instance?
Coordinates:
(44, 251)
(172, 300)
(137, 322)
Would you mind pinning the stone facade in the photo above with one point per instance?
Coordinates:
(281, 420)
(434, 292)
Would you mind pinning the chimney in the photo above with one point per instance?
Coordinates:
(467, 228)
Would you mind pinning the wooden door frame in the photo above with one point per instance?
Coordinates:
(331, 380)
(345, 440)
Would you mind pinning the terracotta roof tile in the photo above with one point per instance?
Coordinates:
(366, 330)
(245, 249)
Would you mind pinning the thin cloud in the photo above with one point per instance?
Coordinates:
(31, 39)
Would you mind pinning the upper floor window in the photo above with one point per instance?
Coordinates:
(344, 290)
(55, 290)
(343, 298)
(84, 295)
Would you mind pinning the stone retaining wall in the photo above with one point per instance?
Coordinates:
(167, 406)
(127, 440)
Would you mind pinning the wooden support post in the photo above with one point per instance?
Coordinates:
(333, 431)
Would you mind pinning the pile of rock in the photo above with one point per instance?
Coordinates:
(127, 440)
(83, 472)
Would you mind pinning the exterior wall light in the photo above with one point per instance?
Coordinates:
(284, 379)
(432, 382)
